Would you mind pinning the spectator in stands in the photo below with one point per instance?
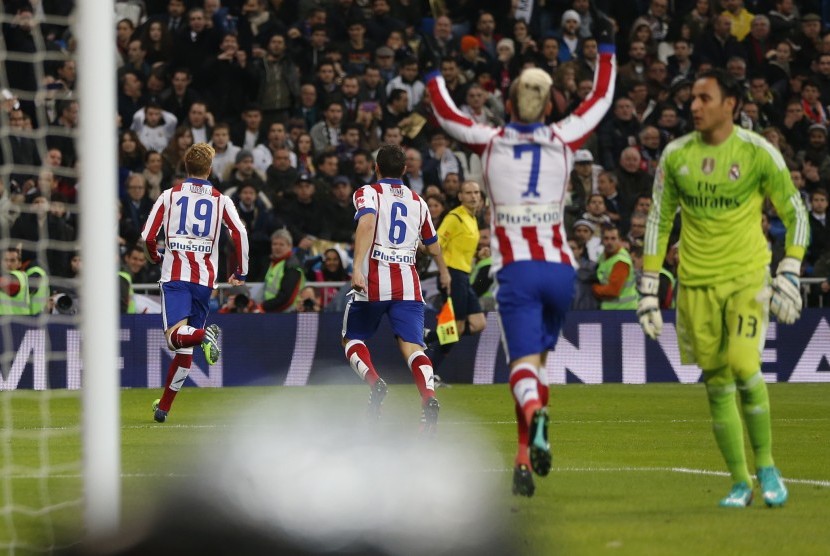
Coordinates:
(407, 80)
(439, 160)
(243, 171)
(249, 133)
(338, 212)
(305, 154)
(154, 126)
(327, 170)
(131, 97)
(816, 151)
(635, 69)
(228, 83)
(280, 177)
(382, 22)
(757, 43)
(260, 223)
(178, 98)
(583, 184)
(617, 206)
(795, 126)
(475, 107)
(414, 176)
(131, 155)
(134, 262)
(304, 213)
(818, 254)
(194, 45)
(136, 204)
(637, 229)
(596, 212)
(24, 151)
(717, 45)
(437, 207)
(471, 60)
(173, 155)
(618, 132)
(277, 78)
(783, 20)
(363, 169)
(157, 179)
(808, 41)
(438, 45)
(284, 278)
(226, 152)
(584, 231)
(331, 269)
(650, 146)
(200, 121)
(616, 287)
(36, 225)
(680, 64)
(811, 103)
(240, 301)
(135, 60)
(156, 42)
(632, 179)
(326, 133)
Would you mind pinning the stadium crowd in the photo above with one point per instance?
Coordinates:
(296, 96)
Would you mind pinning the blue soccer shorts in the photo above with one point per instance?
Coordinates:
(184, 300)
(533, 298)
(362, 318)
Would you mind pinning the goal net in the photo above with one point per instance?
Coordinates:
(45, 307)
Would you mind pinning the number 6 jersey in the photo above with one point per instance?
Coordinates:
(402, 220)
(190, 214)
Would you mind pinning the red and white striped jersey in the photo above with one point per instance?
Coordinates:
(402, 220)
(527, 166)
(190, 214)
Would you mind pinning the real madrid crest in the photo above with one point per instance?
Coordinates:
(708, 165)
(734, 172)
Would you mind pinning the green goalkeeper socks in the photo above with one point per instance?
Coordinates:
(726, 424)
(755, 406)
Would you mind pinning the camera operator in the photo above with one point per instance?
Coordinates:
(240, 301)
(307, 301)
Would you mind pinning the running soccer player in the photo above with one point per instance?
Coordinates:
(391, 219)
(526, 168)
(190, 214)
(719, 176)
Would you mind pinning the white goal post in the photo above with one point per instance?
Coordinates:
(101, 420)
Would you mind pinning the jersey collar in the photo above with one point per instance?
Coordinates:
(525, 128)
(391, 181)
(198, 180)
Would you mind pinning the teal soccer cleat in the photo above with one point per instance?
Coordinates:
(739, 497)
(772, 487)
(540, 457)
(210, 345)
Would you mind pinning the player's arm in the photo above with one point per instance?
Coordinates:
(362, 242)
(785, 294)
(455, 122)
(658, 227)
(575, 129)
(150, 232)
(239, 236)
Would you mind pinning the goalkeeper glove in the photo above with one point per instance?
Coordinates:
(648, 309)
(785, 302)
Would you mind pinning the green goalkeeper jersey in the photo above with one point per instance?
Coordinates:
(720, 191)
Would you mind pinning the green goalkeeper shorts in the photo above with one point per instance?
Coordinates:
(724, 325)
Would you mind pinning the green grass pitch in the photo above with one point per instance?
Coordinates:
(636, 470)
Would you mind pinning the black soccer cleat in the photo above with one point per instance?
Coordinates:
(376, 395)
(540, 457)
(429, 416)
(159, 415)
(523, 481)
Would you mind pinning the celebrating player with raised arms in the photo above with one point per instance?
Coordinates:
(526, 168)
(391, 220)
(190, 214)
(719, 176)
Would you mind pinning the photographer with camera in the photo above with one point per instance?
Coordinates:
(307, 301)
(240, 301)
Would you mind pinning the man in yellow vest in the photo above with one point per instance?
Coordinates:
(617, 287)
(14, 285)
(284, 278)
(39, 290)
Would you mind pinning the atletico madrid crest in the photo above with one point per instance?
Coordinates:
(708, 165)
(734, 172)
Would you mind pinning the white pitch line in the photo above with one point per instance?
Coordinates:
(682, 470)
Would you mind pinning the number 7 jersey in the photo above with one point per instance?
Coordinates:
(190, 214)
(402, 221)
(527, 167)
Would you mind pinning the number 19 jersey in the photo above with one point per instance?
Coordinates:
(190, 214)
(402, 220)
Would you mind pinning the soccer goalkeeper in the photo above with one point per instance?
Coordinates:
(719, 176)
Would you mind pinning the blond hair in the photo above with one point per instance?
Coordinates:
(198, 160)
(530, 94)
